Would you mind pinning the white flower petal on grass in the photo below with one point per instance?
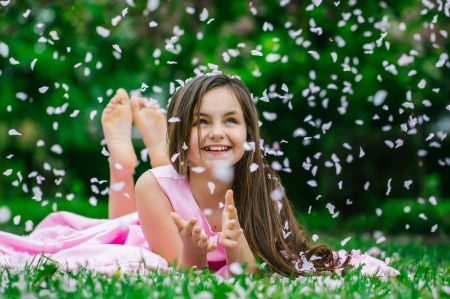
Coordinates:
(6, 2)
(152, 24)
(315, 237)
(102, 31)
(13, 132)
(211, 187)
(312, 183)
(330, 208)
(299, 132)
(93, 201)
(8, 172)
(124, 12)
(272, 57)
(381, 239)
(343, 242)
(422, 215)
(378, 211)
(173, 119)
(204, 15)
(57, 149)
(361, 152)
(117, 48)
(33, 63)
(408, 183)
(334, 56)
(256, 53)
(43, 89)
(42, 39)
(4, 49)
(434, 228)
(422, 84)
(379, 97)
(440, 63)
(54, 35)
(284, 88)
(389, 143)
(29, 226)
(116, 20)
(74, 113)
(432, 200)
(174, 157)
(13, 61)
(92, 114)
(236, 268)
(16, 220)
(270, 116)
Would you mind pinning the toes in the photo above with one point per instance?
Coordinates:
(134, 102)
(123, 96)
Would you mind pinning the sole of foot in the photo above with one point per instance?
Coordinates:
(117, 120)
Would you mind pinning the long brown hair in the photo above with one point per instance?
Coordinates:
(258, 213)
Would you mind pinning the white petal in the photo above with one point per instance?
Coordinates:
(43, 89)
(13, 132)
(102, 31)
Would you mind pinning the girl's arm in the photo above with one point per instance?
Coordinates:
(160, 231)
(233, 239)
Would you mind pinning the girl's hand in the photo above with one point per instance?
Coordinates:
(231, 229)
(192, 237)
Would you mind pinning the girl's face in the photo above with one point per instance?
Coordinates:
(223, 131)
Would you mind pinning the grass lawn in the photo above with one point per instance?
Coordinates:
(425, 273)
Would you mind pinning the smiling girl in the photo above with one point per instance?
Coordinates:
(216, 204)
(215, 121)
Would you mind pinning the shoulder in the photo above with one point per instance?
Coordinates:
(166, 171)
(148, 191)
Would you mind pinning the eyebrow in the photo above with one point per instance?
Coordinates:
(226, 114)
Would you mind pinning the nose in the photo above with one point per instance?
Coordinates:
(216, 132)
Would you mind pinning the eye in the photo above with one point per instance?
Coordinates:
(232, 120)
(202, 122)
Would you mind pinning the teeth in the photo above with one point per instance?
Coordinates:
(216, 148)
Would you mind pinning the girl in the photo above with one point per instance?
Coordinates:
(213, 127)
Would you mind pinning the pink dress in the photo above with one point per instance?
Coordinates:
(105, 245)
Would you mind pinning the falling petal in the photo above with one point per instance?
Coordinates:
(13, 132)
(211, 187)
(343, 242)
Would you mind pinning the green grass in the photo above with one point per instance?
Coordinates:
(425, 273)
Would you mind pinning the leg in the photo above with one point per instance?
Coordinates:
(116, 123)
(151, 124)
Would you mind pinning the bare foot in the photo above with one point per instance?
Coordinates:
(116, 123)
(151, 124)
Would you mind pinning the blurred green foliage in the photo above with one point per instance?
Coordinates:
(237, 25)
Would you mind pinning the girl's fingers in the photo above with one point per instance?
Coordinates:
(229, 198)
(203, 242)
(233, 234)
(232, 212)
(211, 246)
(228, 243)
(196, 233)
(231, 224)
(179, 222)
(190, 226)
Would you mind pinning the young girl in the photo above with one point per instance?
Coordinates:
(226, 205)
(217, 205)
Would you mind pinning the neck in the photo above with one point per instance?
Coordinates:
(198, 183)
